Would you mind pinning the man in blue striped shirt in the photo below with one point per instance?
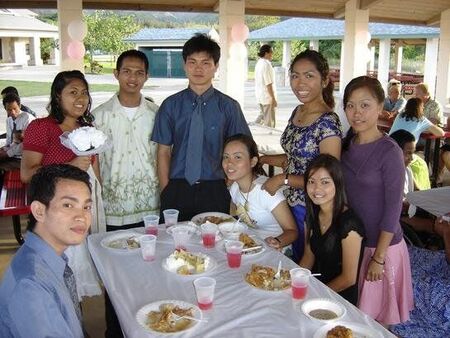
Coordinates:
(38, 291)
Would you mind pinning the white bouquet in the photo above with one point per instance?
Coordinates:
(85, 141)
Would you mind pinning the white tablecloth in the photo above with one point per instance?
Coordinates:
(436, 201)
(239, 309)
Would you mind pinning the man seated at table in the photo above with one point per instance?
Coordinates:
(16, 123)
(38, 292)
(432, 109)
(394, 102)
(13, 90)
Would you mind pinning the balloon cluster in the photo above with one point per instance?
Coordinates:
(239, 33)
(77, 30)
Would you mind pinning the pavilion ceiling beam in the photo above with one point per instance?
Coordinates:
(434, 21)
(28, 4)
(287, 12)
(216, 6)
(367, 4)
(340, 13)
(397, 21)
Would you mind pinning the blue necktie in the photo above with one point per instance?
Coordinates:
(194, 150)
(69, 280)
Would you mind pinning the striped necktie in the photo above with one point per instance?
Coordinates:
(69, 280)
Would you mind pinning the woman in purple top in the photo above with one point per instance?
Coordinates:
(312, 129)
(374, 173)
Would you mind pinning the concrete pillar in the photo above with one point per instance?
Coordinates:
(430, 67)
(55, 54)
(286, 60)
(67, 12)
(20, 52)
(232, 70)
(398, 57)
(443, 65)
(341, 72)
(372, 58)
(314, 45)
(355, 42)
(35, 51)
(384, 54)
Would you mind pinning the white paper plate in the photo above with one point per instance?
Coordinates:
(359, 330)
(210, 266)
(141, 315)
(325, 304)
(221, 247)
(200, 218)
(121, 240)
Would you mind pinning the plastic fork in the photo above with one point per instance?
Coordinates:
(278, 274)
(176, 318)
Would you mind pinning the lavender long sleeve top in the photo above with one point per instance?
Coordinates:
(374, 177)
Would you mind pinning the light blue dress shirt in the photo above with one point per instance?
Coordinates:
(222, 118)
(34, 301)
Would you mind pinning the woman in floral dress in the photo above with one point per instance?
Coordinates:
(313, 129)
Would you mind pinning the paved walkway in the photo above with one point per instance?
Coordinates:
(157, 88)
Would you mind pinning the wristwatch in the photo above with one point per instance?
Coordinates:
(286, 179)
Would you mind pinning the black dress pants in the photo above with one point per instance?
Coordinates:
(191, 200)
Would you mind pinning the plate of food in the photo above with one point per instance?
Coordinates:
(346, 330)
(163, 317)
(122, 242)
(323, 309)
(182, 262)
(213, 217)
(262, 277)
(252, 245)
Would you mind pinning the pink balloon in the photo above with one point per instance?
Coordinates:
(239, 32)
(76, 50)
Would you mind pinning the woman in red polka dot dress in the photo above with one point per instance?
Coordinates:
(69, 109)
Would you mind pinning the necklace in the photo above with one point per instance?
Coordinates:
(246, 207)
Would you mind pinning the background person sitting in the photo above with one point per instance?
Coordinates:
(432, 109)
(394, 103)
(413, 120)
(16, 123)
(13, 90)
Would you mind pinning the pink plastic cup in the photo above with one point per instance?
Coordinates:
(234, 253)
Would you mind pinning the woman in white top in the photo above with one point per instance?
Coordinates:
(269, 215)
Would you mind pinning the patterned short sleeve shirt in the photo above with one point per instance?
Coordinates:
(301, 145)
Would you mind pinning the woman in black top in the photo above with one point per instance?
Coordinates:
(335, 233)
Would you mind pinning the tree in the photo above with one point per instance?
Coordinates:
(106, 31)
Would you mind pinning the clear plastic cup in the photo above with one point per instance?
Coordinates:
(170, 217)
(209, 232)
(299, 282)
(234, 253)
(181, 237)
(148, 247)
(151, 224)
(204, 290)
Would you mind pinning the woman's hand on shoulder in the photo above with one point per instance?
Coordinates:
(82, 162)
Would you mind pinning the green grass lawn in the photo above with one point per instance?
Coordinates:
(31, 88)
